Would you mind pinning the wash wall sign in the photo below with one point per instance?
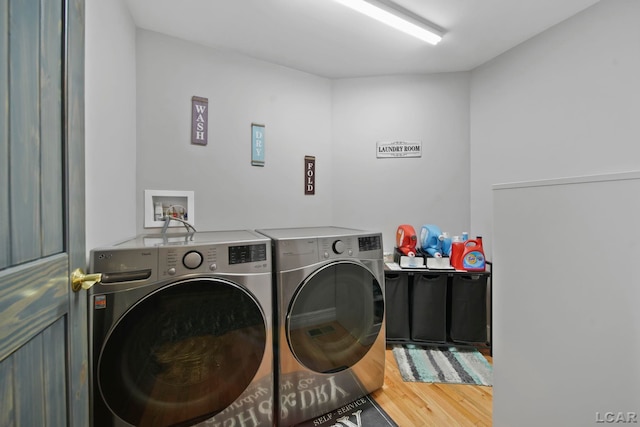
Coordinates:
(199, 120)
(398, 149)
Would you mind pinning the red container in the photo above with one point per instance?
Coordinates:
(457, 248)
(406, 240)
(473, 256)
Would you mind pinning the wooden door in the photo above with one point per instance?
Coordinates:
(43, 337)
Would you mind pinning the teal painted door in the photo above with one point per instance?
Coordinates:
(43, 338)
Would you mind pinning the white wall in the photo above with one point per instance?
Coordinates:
(295, 107)
(380, 194)
(566, 318)
(110, 122)
(564, 103)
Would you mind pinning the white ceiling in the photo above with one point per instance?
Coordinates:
(325, 38)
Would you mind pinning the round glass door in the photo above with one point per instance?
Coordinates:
(335, 317)
(182, 354)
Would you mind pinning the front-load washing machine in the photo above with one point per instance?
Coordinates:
(329, 318)
(181, 331)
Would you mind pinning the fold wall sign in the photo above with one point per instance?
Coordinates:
(309, 175)
(199, 120)
(398, 149)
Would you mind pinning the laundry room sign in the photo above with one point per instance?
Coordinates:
(199, 120)
(398, 149)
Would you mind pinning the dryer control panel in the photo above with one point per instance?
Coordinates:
(343, 247)
(370, 243)
(349, 246)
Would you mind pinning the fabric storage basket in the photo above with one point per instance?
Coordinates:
(469, 308)
(397, 306)
(429, 308)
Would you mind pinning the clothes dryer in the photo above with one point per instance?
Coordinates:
(180, 331)
(329, 313)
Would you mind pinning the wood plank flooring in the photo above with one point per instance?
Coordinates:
(440, 405)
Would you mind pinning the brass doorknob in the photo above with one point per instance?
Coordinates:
(79, 280)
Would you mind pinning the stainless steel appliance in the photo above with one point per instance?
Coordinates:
(181, 331)
(329, 312)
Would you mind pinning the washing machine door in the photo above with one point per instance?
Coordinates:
(335, 317)
(183, 353)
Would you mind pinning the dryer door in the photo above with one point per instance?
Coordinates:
(183, 353)
(335, 317)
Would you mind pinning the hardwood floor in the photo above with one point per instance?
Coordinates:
(442, 405)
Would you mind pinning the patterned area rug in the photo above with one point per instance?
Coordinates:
(362, 412)
(442, 364)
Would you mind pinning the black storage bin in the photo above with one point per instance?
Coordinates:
(469, 308)
(429, 308)
(397, 306)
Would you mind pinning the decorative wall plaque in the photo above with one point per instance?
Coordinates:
(199, 120)
(398, 149)
(257, 144)
(309, 175)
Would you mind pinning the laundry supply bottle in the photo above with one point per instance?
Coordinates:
(431, 240)
(457, 247)
(473, 255)
(406, 240)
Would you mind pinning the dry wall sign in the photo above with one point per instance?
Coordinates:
(257, 144)
(309, 175)
(398, 149)
(199, 120)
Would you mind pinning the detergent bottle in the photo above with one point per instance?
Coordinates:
(457, 247)
(473, 255)
(406, 240)
(431, 240)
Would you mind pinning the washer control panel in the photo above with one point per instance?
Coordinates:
(241, 254)
(179, 260)
(220, 258)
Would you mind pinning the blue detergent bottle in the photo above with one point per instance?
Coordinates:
(431, 240)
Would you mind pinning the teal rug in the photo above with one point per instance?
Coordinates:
(442, 364)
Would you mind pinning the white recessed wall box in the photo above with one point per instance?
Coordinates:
(159, 204)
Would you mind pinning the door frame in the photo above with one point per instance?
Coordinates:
(74, 155)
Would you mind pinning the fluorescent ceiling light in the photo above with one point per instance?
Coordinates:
(385, 12)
